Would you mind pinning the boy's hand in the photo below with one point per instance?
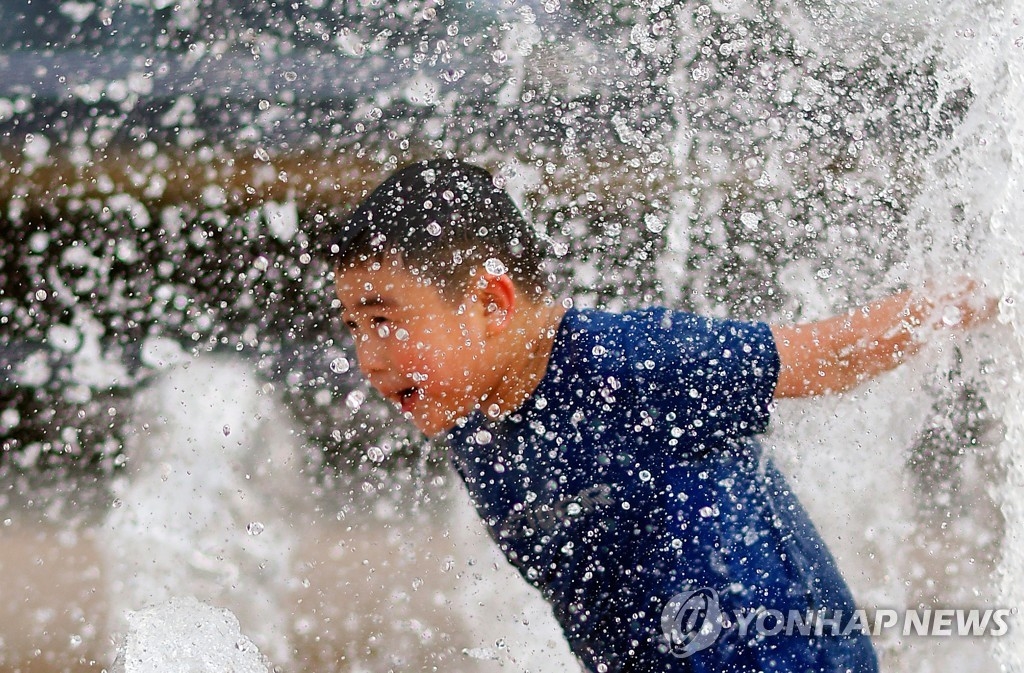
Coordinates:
(962, 305)
(839, 353)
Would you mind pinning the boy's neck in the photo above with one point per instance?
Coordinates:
(522, 356)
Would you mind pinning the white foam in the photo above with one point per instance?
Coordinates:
(206, 506)
(184, 635)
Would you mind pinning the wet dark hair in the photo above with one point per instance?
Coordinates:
(443, 218)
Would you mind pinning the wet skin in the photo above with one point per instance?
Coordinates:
(441, 357)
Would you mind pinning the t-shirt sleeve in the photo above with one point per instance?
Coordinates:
(708, 378)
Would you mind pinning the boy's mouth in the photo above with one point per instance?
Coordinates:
(406, 397)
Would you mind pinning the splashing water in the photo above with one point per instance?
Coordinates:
(991, 180)
(231, 520)
(968, 217)
(792, 159)
(205, 512)
(907, 476)
(186, 636)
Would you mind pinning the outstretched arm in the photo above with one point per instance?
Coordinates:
(839, 353)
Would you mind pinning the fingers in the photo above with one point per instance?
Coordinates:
(961, 304)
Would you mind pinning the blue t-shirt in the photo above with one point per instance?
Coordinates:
(630, 476)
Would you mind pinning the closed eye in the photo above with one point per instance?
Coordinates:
(375, 321)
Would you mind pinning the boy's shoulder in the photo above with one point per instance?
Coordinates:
(659, 343)
(645, 327)
(662, 362)
(603, 342)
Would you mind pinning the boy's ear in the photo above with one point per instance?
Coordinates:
(497, 295)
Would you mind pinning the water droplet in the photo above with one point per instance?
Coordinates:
(261, 154)
(750, 220)
(226, 430)
(339, 365)
(654, 224)
(355, 399)
(290, 76)
(384, 331)
(38, 241)
(499, 56)
(40, 295)
(375, 453)
(951, 315)
(482, 437)
(116, 503)
(76, 640)
(495, 266)
(254, 528)
(402, 334)
(645, 475)
(494, 411)
(434, 229)
(264, 105)
(416, 583)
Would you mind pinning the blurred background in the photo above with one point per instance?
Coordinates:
(180, 413)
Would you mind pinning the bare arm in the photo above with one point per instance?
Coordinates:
(839, 353)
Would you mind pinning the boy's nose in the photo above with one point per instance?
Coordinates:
(370, 355)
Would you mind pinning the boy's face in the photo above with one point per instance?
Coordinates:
(421, 351)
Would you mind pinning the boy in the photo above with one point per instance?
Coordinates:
(612, 455)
